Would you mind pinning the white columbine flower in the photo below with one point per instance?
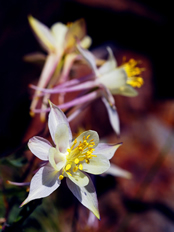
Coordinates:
(70, 159)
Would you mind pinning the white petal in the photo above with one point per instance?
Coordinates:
(116, 171)
(93, 136)
(62, 137)
(113, 116)
(126, 90)
(89, 57)
(86, 195)
(86, 42)
(59, 31)
(56, 159)
(39, 147)
(106, 150)
(43, 34)
(79, 178)
(97, 165)
(114, 79)
(110, 64)
(43, 183)
(56, 117)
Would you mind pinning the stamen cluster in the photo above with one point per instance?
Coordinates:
(82, 152)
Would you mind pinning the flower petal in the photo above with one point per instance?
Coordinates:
(56, 159)
(89, 57)
(114, 170)
(93, 135)
(114, 79)
(62, 137)
(86, 42)
(97, 165)
(113, 116)
(43, 34)
(39, 147)
(59, 31)
(106, 150)
(76, 30)
(55, 118)
(43, 183)
(86, 195)
(79, 178)
(110, 64)
(126, 90)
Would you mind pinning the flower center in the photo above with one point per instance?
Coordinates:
(76, 156)
(133, 73)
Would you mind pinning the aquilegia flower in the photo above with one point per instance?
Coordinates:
(59, 42)
(69, 159)
(106, 81)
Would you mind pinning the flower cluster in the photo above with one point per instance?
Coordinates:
(67, 158)
(67, 44)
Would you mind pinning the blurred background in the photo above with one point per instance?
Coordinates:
(134, 29)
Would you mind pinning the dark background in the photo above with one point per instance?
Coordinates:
(143, 26)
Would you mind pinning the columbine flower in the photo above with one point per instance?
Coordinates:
(69, 159)
(59, 41)
(109, 80)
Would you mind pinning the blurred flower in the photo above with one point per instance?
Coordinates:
(107, 80)
(69, 159)
(59, 41)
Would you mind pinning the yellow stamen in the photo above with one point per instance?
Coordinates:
(132, 72)
(76, 161)
(75, 169)
(61, 177)
(80, 166)
(68, 166)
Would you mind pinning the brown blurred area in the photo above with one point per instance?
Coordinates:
(134, 29)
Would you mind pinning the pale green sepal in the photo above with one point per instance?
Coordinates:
(86, 195)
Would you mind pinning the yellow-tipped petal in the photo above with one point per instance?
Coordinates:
(43, 34)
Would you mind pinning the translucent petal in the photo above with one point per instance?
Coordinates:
(110, 64)
(96, 165)
(93, 136)
(89, 57)
(43, 34)
(76, 30)
(43, 183)
(113, 116)
(106, 150)
(86, 42)
(86, 195)
(126, 90)
(79, 178)
(39, 147)
(59, 31)
(56, 117)
(62, 137)
(56, 159)
(116, 171)
(114, 79)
